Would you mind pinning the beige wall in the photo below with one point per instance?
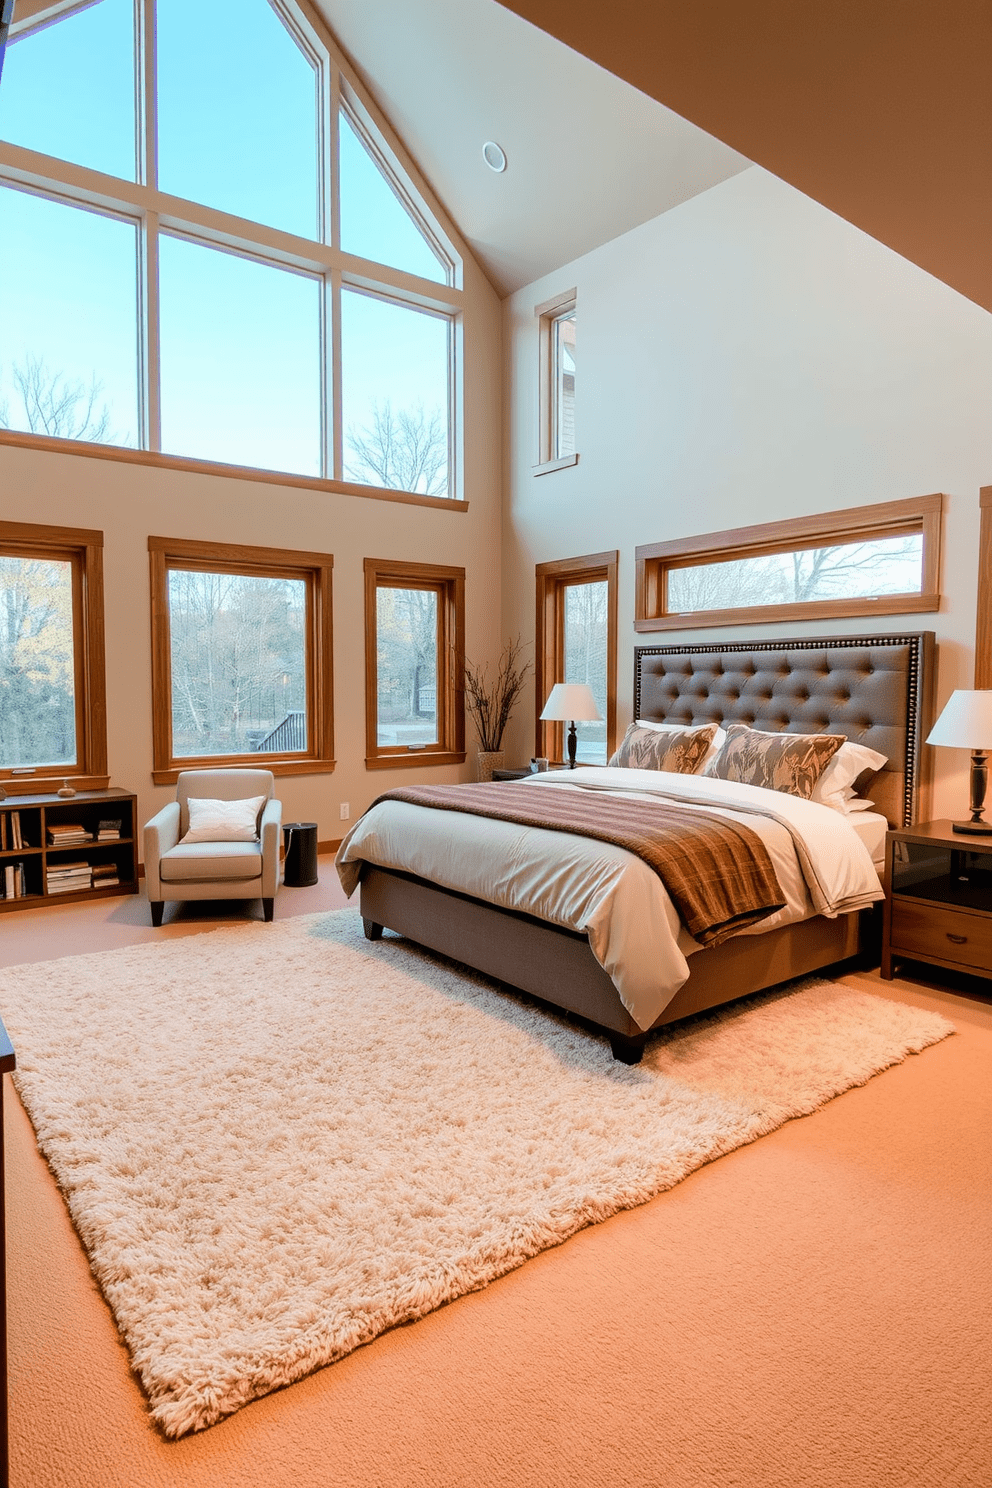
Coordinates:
(749, 356)
(129, 502)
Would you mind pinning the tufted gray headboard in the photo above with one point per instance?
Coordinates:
(875, 689)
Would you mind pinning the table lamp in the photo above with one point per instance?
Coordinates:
(568, 701)
(966, 723)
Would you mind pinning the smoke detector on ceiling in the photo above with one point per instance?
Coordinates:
(494, 156)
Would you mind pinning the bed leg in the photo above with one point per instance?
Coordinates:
(628, 1050)
(372, 930)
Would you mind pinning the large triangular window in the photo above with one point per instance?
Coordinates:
(237, 267)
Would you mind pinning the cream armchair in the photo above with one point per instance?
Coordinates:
(213, 870)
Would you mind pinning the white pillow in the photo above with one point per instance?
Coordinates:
(223, 821)
(834, 786)
(664, 728)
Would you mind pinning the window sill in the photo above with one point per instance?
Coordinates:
(410, 759)
(181, 463)
(37, 785)
(814, 609)
(549, 465)
(254, 762)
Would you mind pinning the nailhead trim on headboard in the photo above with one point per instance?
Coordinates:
(909, 699)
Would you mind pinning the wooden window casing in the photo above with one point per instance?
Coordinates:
(315, 569)
(983, 624)
(83, 548)
(552, 580)
(449, 585)
(920, 514)
(548, 313)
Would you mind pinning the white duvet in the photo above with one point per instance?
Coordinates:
(605, 892)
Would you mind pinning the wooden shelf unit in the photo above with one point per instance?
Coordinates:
(86, 809)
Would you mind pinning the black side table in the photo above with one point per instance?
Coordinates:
(300, 868)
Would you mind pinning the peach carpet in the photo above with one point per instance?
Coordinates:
(278, 1141)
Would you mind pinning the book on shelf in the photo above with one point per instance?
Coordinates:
(68, 835)
(3, 831)
(108, 831)
(13, 881)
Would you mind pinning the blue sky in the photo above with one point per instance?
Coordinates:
(237, 103)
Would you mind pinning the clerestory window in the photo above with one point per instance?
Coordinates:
(213, 253)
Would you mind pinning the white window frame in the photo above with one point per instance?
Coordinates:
(153, 211)
(550, 313)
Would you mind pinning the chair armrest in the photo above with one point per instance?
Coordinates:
(160, 835)
(270, 833)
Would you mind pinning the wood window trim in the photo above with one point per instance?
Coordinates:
(449, 582)
(983, 624)
(547, 313)
(885, 519)
(316, 568)
(549, 641)
(188, 466)
(83, 547)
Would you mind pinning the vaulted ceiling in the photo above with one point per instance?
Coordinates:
(879, 109)
(589, 157)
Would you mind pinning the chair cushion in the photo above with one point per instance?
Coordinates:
(210, 862)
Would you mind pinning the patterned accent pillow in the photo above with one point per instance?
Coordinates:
(680, 750)
(792, 763)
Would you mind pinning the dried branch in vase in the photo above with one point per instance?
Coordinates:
(490, 703)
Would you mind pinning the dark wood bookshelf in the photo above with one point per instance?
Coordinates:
(86, 809)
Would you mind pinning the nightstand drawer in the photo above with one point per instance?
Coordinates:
(927, 929)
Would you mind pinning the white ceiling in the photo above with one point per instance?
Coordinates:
(589, 157)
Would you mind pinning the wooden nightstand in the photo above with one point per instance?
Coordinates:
(938, 899)
(521, 774)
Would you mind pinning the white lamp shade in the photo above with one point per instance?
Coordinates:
(571, 701)
(966, 722)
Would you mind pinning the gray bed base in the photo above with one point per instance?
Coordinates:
(876, 690)
(528, 954)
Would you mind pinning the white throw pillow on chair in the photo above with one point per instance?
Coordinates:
(223, 821)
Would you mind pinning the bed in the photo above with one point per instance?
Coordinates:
(873, 690)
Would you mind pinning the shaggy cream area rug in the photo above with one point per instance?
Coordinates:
(277, 1141)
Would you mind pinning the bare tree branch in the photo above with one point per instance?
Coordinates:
(405, 451)
(56, 405)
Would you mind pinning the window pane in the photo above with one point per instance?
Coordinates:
(585, 660)
(240, 360)
(68, 321)
(68, 89)
(37, 678)
(394, 369)
(237, 112)
(885, 565)
(374, 222)
(238, 663)
(564, 371)
(406, 666)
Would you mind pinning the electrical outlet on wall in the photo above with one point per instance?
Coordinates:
(345, 810)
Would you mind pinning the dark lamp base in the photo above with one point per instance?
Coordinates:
(973, 829)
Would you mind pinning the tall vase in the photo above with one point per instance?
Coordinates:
(486, 761)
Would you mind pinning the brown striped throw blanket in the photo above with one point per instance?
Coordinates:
(717, 872)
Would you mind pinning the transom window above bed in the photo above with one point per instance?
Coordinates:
(241, 657)
(867, 560)
(414, 642)
(248, 274)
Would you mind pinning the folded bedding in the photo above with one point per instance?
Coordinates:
(602, 890)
